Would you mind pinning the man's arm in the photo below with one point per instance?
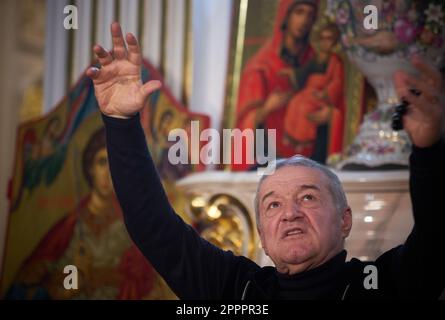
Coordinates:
(424, 250)
(417, 269)
(192, 267)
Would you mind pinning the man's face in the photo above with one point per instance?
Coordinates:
(100, 174)
(300, 227)
(300, 21)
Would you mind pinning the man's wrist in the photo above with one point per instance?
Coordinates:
(118, 116)
(119, 121)
(428, 156)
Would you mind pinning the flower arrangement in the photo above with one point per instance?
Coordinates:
(403, 24)
(404, 27)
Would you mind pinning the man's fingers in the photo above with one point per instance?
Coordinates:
(428, 91)
(102, 55)
(118, 41)
(93, 72)
(428, 73)
(134, 53)
(150, 87)
(403, 89)
(415, 102)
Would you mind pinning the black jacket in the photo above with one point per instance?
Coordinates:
(196, 269)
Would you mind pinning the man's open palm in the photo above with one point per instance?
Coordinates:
(117, 84)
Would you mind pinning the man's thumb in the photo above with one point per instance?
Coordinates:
(150, 87)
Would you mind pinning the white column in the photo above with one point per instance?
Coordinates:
(82, 39)
(211, 36)
(56, 58)
(105, 16)
(174, 50)
(128, 16)
(151, 32)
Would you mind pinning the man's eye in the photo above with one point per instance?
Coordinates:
(308, 197)
(274, 205)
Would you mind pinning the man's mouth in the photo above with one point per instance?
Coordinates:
(293, 232)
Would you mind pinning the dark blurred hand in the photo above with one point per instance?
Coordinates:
(423, 119)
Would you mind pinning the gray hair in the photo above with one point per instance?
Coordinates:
(335, 185)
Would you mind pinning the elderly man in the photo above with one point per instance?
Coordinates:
(303, 216)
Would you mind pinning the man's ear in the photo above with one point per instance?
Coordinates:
(262, 239)
(346, 222)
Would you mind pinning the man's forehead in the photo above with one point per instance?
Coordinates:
(293, 177)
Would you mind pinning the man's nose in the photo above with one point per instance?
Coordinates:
(293, 211)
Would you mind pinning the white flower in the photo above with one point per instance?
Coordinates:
(434, 13)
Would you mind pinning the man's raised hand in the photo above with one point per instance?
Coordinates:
(423, 120)
(117, 84)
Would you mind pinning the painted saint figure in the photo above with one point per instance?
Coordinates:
(314, 117)
(94, 239)
(266, 90)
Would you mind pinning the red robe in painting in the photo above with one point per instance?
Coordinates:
(298, 126)
(261, 77)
